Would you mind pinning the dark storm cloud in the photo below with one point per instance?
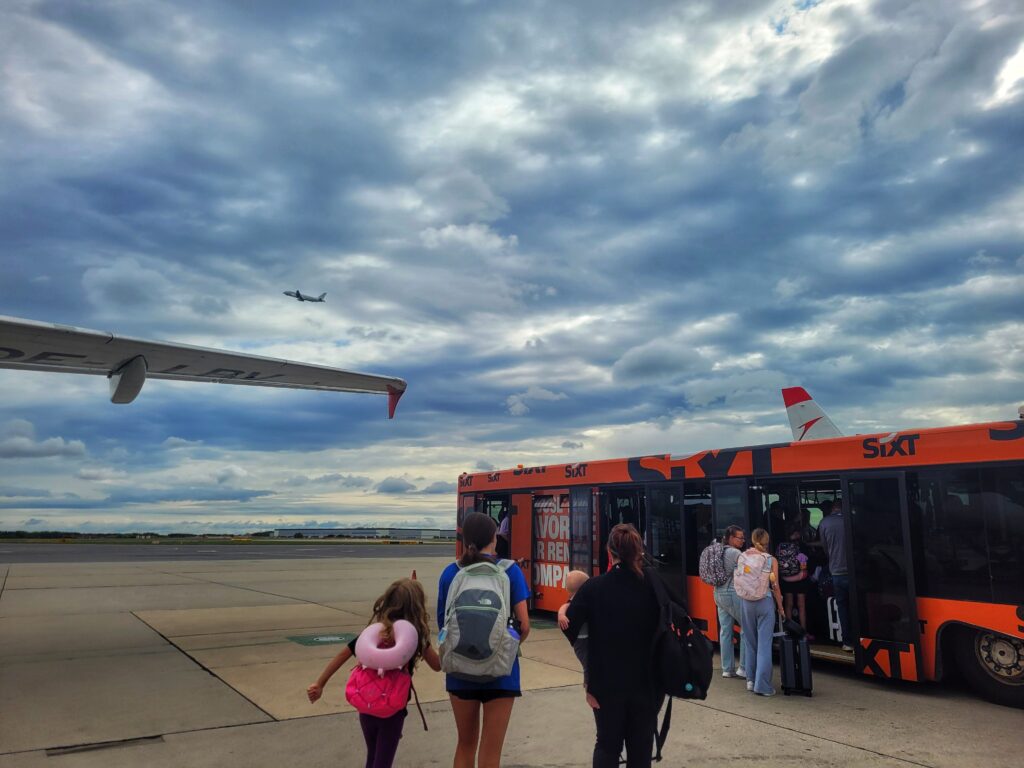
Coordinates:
(133, 497)
(440, 487)
(395, 485)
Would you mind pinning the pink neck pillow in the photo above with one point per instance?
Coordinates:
(370, 654)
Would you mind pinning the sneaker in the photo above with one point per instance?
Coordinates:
(848, 648)
(741, 672)
(771, 692)
(750, 685)
(727, 673)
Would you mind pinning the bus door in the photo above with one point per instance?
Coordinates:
(521, 548)
(883, 605)
(620, 504)
(551, 542)
(497, 507)
(664, 540)
(584, 507)
(728, 507)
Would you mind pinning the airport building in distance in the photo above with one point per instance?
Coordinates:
(402, 534)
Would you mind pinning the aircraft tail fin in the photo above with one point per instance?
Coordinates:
(806, 418)
(322, 296)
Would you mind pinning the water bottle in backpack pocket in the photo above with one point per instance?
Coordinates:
(476, 642)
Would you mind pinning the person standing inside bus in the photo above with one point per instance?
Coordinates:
(729, 605)
(621, 613)
(481, 746)
(832, 531)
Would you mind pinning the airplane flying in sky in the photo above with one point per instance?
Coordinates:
(28, 345)
(806, 418)
(297, 294)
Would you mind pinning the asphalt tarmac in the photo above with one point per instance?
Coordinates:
(204, 661)
(14, 551)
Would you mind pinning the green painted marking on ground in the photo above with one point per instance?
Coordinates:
(328, 638)
(543, 623)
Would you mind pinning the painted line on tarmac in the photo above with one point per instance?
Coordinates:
(205, 668)
(264, 592)
(7, 569)
(805, 733)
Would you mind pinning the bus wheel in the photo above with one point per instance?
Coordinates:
(993, 665)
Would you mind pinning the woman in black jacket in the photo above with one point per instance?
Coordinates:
(621, 614)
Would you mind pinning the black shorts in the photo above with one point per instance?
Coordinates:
(801, 587)
(485, 694)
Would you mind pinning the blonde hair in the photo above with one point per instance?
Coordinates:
(403, 599)
(760, 539)
(575, 580)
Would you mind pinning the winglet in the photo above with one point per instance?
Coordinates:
(394, 395)
(807, 420)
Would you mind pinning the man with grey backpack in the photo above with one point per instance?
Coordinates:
(716, 567)
(477, 597)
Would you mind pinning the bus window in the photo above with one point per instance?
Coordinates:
(730, 506)
(696, 521)
(946, 508)
(1004, 524)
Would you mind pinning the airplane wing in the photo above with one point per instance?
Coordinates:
(33, 346)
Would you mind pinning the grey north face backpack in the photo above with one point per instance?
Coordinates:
(476, 641)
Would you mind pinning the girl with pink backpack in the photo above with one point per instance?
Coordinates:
(387, 650)
(756, 581)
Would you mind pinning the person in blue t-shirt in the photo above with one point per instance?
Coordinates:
(479, 539)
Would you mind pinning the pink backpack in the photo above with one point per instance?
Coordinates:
(378, 693)
(753, 571)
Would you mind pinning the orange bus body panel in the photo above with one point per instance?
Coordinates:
(935, 613)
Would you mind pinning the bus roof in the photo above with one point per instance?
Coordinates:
(971, 443)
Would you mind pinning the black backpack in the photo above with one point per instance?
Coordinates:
(682, 656)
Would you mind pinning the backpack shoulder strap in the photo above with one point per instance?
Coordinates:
(416, 697)
(658, 586)
(661, 735)
(505, 564)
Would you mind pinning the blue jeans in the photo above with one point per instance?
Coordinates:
(758, 626)
(841, 591)
(728, 615)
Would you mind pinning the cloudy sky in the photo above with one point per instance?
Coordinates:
(578, 230)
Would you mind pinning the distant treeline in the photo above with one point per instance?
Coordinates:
(143, 535)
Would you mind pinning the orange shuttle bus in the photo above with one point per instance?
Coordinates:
(934, 534)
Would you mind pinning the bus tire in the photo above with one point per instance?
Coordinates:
(992, 664)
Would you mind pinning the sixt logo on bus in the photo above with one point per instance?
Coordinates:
(890, 445)
(576, 470)
(529, 471)
(494, 477)
(465, 481)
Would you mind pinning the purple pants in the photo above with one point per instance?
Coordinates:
(382, 735)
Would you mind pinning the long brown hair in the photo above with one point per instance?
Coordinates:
(403, 599)
(625, 543)
(478, 531)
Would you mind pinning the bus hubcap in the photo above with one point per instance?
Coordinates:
(1002, 657)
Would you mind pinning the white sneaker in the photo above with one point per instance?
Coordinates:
(848, 648)
(741, 672)
(727, 673)
(750, 685)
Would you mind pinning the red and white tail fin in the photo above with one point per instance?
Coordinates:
(806, 418)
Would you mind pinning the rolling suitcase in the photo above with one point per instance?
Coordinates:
(795, 663)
